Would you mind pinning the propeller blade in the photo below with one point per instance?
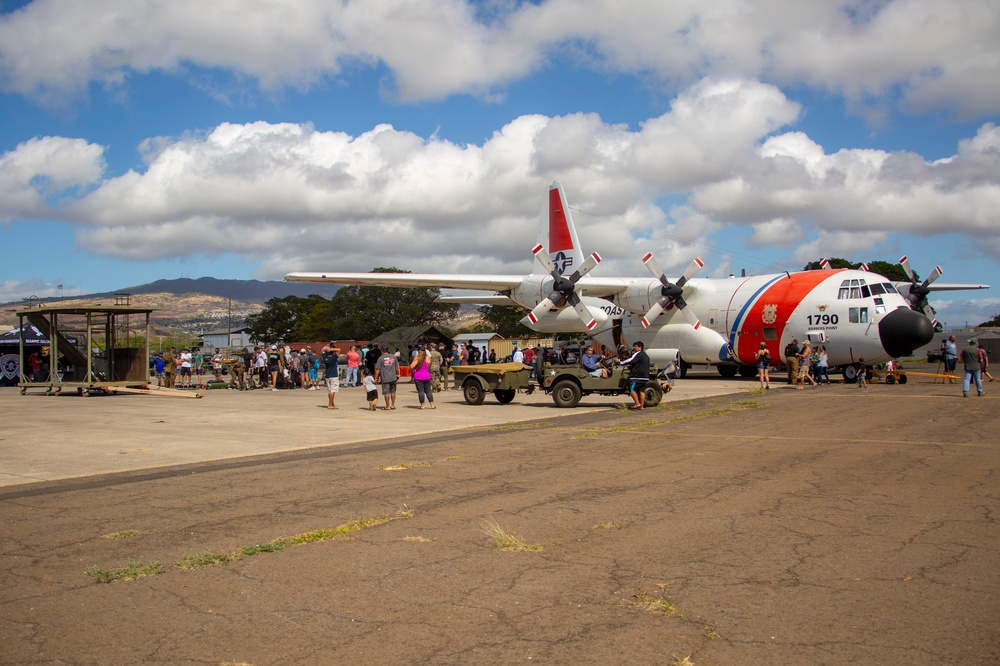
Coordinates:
(905, 263)
(586, 267)
(653, 313)
(544, 259)
(540, 309)
(689, 314)
(696, 265)
(935, 274)
(582, 311)
(653, 266)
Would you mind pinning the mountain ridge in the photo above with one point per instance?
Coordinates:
(189, 304)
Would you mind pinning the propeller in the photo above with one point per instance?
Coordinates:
(918, 292)
(564, 288)
(671, 293)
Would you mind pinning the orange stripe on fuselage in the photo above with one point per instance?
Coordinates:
(559, 237)
(786, 294)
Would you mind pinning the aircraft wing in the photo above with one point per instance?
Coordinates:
(904, 287)
(587, 286)
(442, 280)
(484, 299)
(954, 286)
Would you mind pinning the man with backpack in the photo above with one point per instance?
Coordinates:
(792, 360)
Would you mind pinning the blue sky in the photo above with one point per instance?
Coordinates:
(149, 140)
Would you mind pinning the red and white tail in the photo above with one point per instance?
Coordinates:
(557, 233)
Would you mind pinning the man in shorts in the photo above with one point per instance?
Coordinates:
(387, 374)
(330, 357)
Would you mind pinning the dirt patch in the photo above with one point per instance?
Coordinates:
(820, 526)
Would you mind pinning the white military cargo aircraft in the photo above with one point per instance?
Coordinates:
(856, 314)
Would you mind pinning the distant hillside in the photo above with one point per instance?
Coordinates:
(243, 290)
(190, 305)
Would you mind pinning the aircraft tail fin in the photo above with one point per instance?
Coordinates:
(557, 233)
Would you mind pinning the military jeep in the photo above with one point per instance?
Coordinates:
(569, 383)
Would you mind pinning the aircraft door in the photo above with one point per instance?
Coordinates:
(616, 333)
(714, 322)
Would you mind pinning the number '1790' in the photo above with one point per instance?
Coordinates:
(825, 320)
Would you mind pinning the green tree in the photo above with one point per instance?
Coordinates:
(835, 262)
(280, 317)
(505, 320)
(364, 312)
(992, 322)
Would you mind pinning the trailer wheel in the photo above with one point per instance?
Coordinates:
(474, 393)
(654, 394)
(890, 380)
(566, 393)
(504, 396)
(902, 379)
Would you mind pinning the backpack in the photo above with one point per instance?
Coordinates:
(791, 349)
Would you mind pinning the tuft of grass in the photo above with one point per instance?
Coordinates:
(205, 559)
(134, 569)
(125, 534)
(613, 525)
(402, 466)
(209, 559)
(505, 540)
(656, 604)
(711, 633)
(685, 661)
(521, 426)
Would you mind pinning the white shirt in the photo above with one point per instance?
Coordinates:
(518, 356)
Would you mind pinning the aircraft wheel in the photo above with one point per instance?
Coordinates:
(566, 393)
(902, 379)
(504, 396)
(685, 366)
(889, 379)
(851, 374)
(748, 371)
(474, 393)
(654, 394)
(727, 371)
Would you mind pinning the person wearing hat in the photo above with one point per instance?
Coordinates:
(274, 365)
(973, 369)
(185, 368)
(792, 360)
(330, 355)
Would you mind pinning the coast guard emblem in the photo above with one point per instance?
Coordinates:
(770, 314)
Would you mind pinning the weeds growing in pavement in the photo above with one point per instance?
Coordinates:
(505, 540)
(134, 569)
(656, 604)
(126, 534)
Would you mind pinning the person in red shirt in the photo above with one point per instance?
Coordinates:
(353, 361)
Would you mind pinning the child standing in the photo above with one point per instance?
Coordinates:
(862, 374)
(369, 384)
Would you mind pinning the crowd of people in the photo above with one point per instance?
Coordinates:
(377, 369)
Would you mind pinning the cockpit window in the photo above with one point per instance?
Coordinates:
(889, 289)
(878, 289)
(865, 293)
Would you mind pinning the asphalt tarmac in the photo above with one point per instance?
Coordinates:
(73, 436)
(833, 525)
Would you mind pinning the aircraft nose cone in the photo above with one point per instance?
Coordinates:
(904, 330)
